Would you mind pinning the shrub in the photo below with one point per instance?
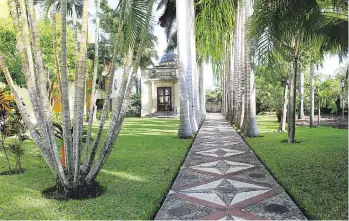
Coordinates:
(135, 106)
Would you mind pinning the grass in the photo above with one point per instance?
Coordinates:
(136, 177)
(313, 171)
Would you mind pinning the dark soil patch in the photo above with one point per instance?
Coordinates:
(12, 172)
(92, 190)
(286, 141)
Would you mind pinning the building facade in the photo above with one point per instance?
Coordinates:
(160, 89)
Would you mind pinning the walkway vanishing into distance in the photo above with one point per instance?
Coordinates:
(222, 179)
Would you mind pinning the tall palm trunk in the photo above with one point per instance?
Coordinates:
(230, 80)
(67, 136)
(191, 67)
(282, 125)
(237, 57)
(201, 90)
(293, 92)
(301, 96)
(312, 102)
(194, 62)
(251, 128)
(319, 113)
(79, 93)
(242, 83)
(94, 79)
(185, 127)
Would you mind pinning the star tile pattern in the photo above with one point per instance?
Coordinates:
(222, 167)
(220, 152)
(225, 192)
(221, 179)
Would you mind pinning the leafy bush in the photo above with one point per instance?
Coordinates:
(214, 95)
(12, 131)
(100, 113)
(135, 105)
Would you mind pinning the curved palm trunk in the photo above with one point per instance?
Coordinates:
(185, 128)
(24, 113)
(312, 103)
(118, 41)
(40, 79)
(301, 96)
(39, 134)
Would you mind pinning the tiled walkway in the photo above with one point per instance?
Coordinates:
(222, 179)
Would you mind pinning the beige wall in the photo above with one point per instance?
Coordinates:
(149, 99)
(4, 12)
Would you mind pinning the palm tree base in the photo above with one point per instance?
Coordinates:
(83, 191)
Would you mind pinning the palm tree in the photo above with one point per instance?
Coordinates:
(136, 16)
(288, 25)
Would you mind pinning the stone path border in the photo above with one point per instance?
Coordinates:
(222, 179)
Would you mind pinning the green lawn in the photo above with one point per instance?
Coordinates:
(136, 177)
(314, 171)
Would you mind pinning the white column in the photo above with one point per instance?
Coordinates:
(153, 95)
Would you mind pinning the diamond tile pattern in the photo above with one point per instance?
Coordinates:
(225, 192)
(222, 167)
(220, 152)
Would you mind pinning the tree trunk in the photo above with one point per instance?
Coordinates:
(118, 41)
(190, 68)
(196, 107)
(67, 136)
(237, 57)
(301, 96)
(242, 70)
(319, 113)
(94, 79)
(79, 93)
(202, 91)
(251, 128)
(39, 134)
(282, 125)
(312, 102)
(292, 100)
(185, 128)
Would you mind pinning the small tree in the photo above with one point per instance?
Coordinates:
(12, 132)
(82, 167)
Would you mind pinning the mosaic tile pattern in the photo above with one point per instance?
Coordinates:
(222, 179)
